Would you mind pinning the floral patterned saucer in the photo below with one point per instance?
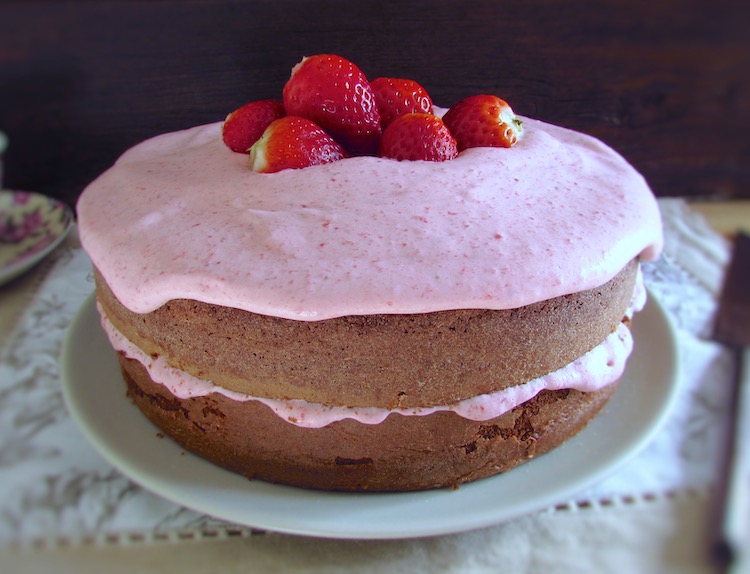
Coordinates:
(31, 226)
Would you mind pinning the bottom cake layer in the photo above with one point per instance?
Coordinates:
(400, 454)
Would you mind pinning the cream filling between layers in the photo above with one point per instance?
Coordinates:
(594, 370)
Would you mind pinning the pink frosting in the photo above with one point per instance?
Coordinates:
(594, 370)
(181, 216)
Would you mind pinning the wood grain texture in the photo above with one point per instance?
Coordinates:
(665, 83)
(726, 217)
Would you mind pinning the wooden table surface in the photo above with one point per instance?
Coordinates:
(665, 83)
(727, 217)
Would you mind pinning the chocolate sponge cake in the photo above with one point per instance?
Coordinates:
(379, 363)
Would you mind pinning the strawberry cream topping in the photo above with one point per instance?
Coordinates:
(181, 216)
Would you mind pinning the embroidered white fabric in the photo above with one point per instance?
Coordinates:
(56, 489)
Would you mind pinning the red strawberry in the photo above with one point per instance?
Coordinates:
(245, 125)
(418, 136)
(292, 143)
(397, 96)
(335, 94)
(483, 121)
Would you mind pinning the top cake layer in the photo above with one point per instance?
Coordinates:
(182, 217)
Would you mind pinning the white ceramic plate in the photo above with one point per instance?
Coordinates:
(95, 394)
(31, 226)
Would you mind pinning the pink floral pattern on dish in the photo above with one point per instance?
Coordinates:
(29, 224)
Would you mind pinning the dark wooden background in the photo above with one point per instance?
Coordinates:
(667, 83)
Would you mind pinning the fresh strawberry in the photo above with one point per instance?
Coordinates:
(483, 121)
(335, 94)
(418, 136)
(397, 96)
(292, 142)
(245, 125)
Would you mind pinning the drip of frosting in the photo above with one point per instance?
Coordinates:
(181, 216)
(594, 370)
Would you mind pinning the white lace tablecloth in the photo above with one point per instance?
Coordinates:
(58, 497)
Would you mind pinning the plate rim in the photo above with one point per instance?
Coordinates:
(262, 515)
(19, 266)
